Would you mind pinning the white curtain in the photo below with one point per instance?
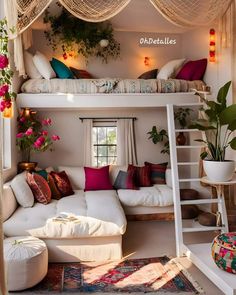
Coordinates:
(88, 142)
(126, 148)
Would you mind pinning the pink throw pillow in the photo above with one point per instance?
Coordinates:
(97, 179)
(39, 187)
(193, 70)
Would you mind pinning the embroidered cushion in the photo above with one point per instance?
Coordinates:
(97, 179)
(149, 74)
(39, 187)
(62, 183)
(158, 172)
(142, 175)
(54, 190)
(125, 180)
(193, 70)
(224, 251)
(62, 71)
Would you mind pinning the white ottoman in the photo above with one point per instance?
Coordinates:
(26, 260)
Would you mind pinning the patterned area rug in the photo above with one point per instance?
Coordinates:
(159, 275)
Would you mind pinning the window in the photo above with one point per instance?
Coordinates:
(104, 145)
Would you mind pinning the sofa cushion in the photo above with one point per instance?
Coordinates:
(157, 195)
(22, 191)
(142, 175)
(39, 187)
(62, 183)
(96, 213)
(158, 172)
(54, 190)
(125, 180)
(97, 179)
(76, 176)
(9, 201)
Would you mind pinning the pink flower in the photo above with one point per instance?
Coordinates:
(22, 119)
(19, 135)
(2, 105)
(55, 137)
(3, 61)
(47, 122)
(44, 132)
(39, 142)
(8, 103)
(29, 131)
(4, 89)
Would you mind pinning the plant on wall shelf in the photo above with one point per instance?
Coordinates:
(6, 74)
(160, 136)
(33, 135)
(78, 36)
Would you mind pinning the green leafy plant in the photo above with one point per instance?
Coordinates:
(76, 35)
(6, 74)
(218, 122)
(181, 115)
(160, 136)
(33, 135)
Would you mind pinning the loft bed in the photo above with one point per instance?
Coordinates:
(106, 93)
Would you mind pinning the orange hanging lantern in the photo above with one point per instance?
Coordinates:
(8, 113)
(212, 46)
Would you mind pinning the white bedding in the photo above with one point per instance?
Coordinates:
(157, 195)
(109, 85)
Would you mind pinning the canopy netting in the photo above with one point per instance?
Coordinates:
(22, 13)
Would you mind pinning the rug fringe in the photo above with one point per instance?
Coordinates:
(195, 284)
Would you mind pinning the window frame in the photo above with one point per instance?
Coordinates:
(105, 124)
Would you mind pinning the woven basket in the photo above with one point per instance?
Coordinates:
(224, 251)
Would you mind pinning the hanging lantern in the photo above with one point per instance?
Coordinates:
(147, 61)
(8, 113)
(212, 46)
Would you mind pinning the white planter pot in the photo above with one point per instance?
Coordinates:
(219, 171)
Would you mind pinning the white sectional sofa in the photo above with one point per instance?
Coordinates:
(94, 234)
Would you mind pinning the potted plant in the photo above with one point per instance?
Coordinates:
(218, 123)
(181, 115)
(160, 136)
(33, 136)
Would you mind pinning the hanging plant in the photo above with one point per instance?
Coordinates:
(85, 38)
(6, 74)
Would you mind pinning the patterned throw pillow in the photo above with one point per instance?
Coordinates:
(81, 74)
(125, 180)
(39, 187)
(142, 175)
(97, 179)
(62, 183)
(54, 190)
(158, 172)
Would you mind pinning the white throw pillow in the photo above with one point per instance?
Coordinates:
(30, 67)
(22, 191)
(43, 66)
(170, 69)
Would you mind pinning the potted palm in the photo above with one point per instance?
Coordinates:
(218, 123)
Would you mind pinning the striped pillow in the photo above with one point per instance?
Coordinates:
(142, 175)
(39, 187)
(158, 172)
(125, 180)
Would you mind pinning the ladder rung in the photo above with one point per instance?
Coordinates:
(190, 146)
(189, 179)
(187, 163)
(200, 201)
(194, 226)
(187, 130)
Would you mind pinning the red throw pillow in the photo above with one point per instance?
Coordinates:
(97, 179)
(62, 183)
(142, 175)
(39, 187)
(193, 70)
(54, 190)
(158, 172)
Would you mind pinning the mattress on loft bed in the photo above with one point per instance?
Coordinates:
(108, 85)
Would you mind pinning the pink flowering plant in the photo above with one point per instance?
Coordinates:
(6, 74)
(34, 136)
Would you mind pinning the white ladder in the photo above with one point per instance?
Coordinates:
(184, 226)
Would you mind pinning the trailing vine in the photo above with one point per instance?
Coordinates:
(78, 36)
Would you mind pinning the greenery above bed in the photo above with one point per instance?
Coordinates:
(76, 36)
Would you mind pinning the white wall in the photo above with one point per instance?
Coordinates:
(69, 150)
(131, 61)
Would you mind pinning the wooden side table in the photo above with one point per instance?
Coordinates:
(219, 186)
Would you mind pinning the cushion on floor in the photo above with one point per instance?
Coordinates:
(188, 194)
(189, 211)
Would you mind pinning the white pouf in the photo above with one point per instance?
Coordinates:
(26, 260)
